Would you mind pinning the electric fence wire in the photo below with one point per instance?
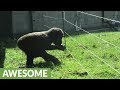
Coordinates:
(92, 35)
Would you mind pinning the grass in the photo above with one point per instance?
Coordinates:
(77, 61)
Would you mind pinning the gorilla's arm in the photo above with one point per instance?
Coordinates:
(53, 47)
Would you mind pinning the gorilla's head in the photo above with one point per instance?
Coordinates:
(56, 35)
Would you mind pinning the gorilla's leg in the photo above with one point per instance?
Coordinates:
(29, 62)
(48, 57)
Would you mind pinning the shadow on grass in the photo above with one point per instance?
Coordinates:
(44, 65)
(47, 64)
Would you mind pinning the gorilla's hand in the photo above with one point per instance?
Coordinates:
(61, 47)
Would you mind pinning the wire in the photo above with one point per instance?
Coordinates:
(94, 55)
(89, 50)
(94, 36)
(72, 55)
(80, 64)
(99, 17)
(52, 17)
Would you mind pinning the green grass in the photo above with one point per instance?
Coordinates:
(77, 58)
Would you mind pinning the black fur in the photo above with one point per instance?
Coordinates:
(35, 45)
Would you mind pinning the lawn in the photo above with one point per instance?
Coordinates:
(86, 57)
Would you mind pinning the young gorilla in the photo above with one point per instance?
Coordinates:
(35, 45)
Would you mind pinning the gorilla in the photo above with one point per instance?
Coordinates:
(35, 45)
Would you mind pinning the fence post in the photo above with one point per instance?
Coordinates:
(31, 20)
(116, 14)
(102, 16)
(63, 18)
